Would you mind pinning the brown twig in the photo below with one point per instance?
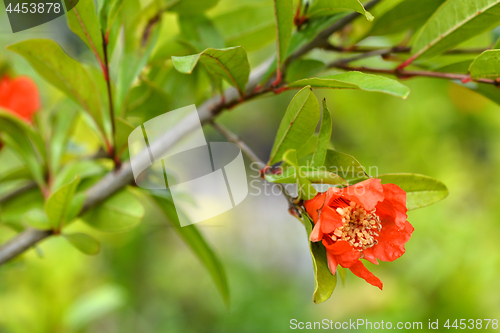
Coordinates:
(406, 74)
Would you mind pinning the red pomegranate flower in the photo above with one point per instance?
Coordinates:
(20, 96)
(362, 221)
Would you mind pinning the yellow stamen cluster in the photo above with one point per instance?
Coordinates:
(360, 226)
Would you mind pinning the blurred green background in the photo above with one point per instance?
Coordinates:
(147, 280)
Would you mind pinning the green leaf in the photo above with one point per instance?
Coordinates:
(344, 165)
(123, 130)
(283, 11)
(298, 124)
(486, 65)
(305, 188)
(121, 212)
(420, 190)
(25, 142)
(487, 90)
(403, 17)
(314, 175)
(229, 63)
(461, 67)
(65, 73)
(308, 148)
(200, 31)
(190, 7)
(13, 210)
(58, 204)
(455, 22)
(83, 21)
(62, 126)
(324, 280)
(198, 245)
(36, 218)
(358, 81)
(81, 169)
(84, 243)
(252, 27)
(137, 46)
(330, 7)
(325, 133)
(303, 68)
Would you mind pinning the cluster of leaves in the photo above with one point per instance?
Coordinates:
(139, 73)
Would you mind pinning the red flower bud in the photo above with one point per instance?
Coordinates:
(20, 96)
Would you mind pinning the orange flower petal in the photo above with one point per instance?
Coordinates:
(330, 220)
(393, 207)
(314, 205)
(332, 263)
(391, 242)
(361, 271)
(316, 233)
(366, 193)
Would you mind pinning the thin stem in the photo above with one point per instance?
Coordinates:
(231, 137)
(405, 74)
(394, 49)
(111, 150)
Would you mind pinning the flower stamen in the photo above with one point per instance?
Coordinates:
(360, 226)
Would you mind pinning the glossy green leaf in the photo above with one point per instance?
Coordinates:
(283, 11)
(25, 142)
(486, 65)
(404, 16)
(13, 210)
(121, 212)
(358, 81)
(61, 128)
(200, 31)
(229, 63)
(455, 22)
(325, 133)
(420, 190)
(137, 47)
(58, 204)
(305, 188)
(308, 148)
(81, 169)
(303, 68)
(330, 7)
(314, 175)
(461, 67)
(298, 124)
(344, 165)
(324, 280)
(65, 73)
(36, 218)
(252, 27)
(190, 7)
(123, 130)
(487, 90)
(84, 243)
(198, 245)
(83, 21)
